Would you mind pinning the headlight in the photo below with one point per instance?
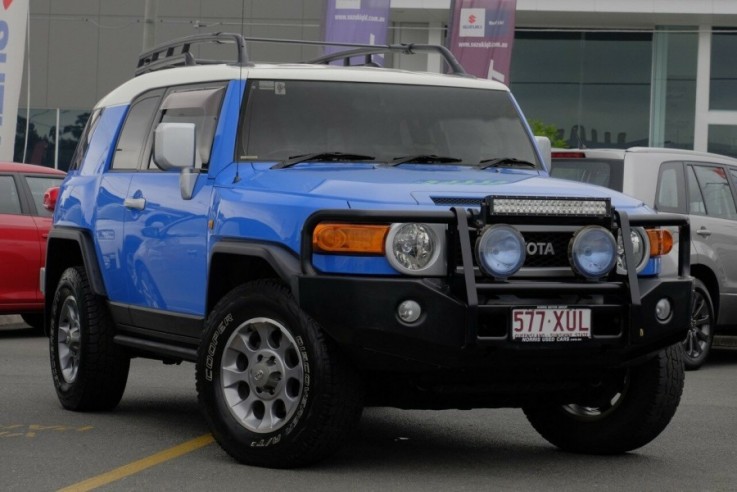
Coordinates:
(640, 247)
(415, 249)
(592, 252)
(500, 251)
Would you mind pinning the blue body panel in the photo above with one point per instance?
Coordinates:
(158, 257)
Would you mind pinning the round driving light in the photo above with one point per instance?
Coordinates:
(640, 248)
(500, 251)
(592, 252)
(663, 310)
(409, 311)
(412, 247)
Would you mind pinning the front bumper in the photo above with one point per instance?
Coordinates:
(467, 319)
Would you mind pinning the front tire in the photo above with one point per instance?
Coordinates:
(637, 405)
(89, 370)
(274, 390)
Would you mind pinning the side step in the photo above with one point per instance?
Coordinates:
(725, 341)
(163, 349)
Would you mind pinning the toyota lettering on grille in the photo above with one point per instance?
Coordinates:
(540, 249)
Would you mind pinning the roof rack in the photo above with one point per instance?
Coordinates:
(368, 50)
(176, 53)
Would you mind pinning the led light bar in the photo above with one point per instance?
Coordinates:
(568, 207)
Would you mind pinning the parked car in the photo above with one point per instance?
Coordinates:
(24, 227)
(316, 238)
(701, 185)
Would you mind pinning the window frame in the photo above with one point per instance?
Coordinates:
(681, 188)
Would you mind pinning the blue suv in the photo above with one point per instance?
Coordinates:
(317, 238)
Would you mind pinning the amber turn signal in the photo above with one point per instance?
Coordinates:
(661, 241)
(349, 238)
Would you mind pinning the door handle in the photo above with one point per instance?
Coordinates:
(135, 203)
(704, 232)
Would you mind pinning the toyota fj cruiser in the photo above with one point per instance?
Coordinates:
(318, 238)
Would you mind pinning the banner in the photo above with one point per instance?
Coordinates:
(482, 35)
(356, 21)
(13, 15)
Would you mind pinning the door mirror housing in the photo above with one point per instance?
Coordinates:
(175, 145)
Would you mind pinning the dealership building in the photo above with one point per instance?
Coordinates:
(604, 73)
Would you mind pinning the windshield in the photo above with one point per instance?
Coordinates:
(283, 119)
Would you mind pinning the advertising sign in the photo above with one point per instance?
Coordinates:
(356, 21)
(13, 15)
(482, 35)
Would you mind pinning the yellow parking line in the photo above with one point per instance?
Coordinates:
(140, 465)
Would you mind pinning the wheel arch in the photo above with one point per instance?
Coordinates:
(67, 247)
(234, 262)
(709, 279)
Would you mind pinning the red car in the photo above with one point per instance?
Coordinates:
(24, 227)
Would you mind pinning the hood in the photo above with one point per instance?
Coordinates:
(365, 186)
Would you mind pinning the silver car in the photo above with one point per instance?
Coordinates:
(702, 185)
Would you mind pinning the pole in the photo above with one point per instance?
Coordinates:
(149, 24)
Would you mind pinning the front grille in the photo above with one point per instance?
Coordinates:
(547, 249)
(540, 246)
(449, 201)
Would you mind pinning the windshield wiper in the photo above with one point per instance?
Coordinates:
(423, 159)
(505, 162)
(322, 156)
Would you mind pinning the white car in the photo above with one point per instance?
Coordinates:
(702, 185)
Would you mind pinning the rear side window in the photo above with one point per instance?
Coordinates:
(716, 194)
(671, 194)
(9, 199)
(602, 172)
(85, 139)
(38, 186)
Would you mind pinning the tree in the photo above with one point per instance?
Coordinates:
(541, 129)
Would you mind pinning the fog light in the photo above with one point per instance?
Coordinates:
(663, 310)
(409, 311)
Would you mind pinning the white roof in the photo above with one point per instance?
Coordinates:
(204, 73)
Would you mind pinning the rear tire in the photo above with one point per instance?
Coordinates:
(89, 370)
(634, 409)
(274, 390)
(697, 345)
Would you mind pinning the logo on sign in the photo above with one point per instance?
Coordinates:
(472, 22)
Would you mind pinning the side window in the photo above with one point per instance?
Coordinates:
(715, 190)
(38, 186)
(84, 140)
(671, 193)
(695, 200)
(9, 199)
(136, 130)
(200, 106)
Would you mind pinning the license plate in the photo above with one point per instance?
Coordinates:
(551, 324)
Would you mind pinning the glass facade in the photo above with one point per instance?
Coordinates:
(679, 91)
(723, 139)
(723, 87)
(594, 87)
(41, 142)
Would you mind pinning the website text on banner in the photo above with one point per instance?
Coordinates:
(13, 16)
(356, 21)
(482, 35)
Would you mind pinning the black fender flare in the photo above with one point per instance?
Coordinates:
(67, 246)
(280, 259)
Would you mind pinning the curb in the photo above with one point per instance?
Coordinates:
(12, 319)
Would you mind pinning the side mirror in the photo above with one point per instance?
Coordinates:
(175, 146)
(546, 150)
(51, 196)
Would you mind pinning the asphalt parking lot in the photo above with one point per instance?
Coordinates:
(156, 440)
